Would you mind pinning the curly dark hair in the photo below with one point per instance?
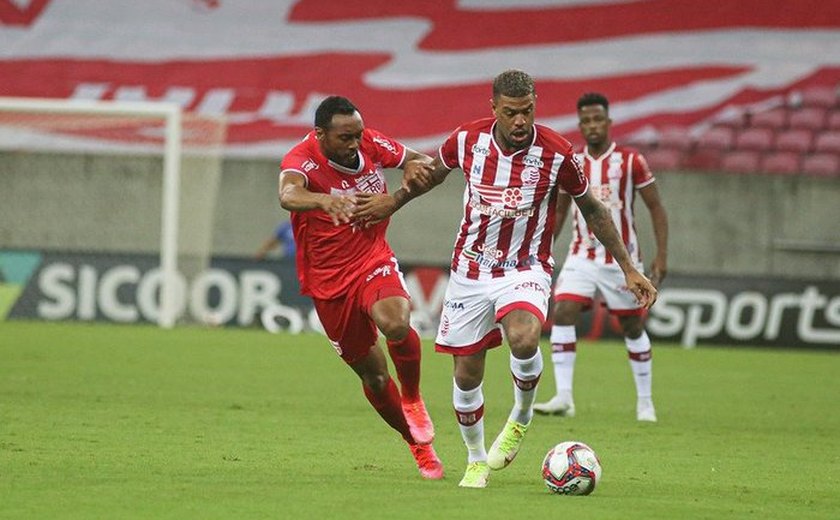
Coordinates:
(593, 98)
(513, 83)
(331, 106)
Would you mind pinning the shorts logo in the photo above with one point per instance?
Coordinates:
(382, 270)
(530, 286)
(454, 305)
(444, 325)
(337, 347)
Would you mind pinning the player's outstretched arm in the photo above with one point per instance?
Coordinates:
(600, 222)
(659, 220)
(374, 207)
(295, 197)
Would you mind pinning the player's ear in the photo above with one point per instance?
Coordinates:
(319, 133)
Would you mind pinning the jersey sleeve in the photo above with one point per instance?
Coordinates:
(388, 152)
(571, 176)
(449, 151)
(642, 175)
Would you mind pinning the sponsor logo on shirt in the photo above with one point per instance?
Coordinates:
(480, 150)
(531, 160)
(491, 262)
(382, 270)
(384, 143)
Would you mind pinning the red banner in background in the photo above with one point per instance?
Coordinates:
(416, 69)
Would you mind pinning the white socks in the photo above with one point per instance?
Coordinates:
(526, 375)
(563, 354)
(469, 410)
(639, 352)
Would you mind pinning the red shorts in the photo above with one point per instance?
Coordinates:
(347, 320)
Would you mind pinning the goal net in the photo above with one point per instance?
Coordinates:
(138, 179)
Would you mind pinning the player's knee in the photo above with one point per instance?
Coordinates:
(565, 314)
(376, 381)
(523, 341)
(395, 329)
(632, 328)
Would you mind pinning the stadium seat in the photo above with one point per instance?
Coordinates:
(676, 137)
(834, 120)
(795, 140)
(822, 164)
(822, 96)
(702, 159)
(663, 159)
(811, 118)
(717, 137)
(781, 162)
(776, 118)
(741, 162)
(760, 139)
(828, 142)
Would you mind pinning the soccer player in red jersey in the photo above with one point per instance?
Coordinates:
(615, 174)
(349, 269)
(502, 265)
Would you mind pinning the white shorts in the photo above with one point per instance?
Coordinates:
(472, 309)
(580, 279)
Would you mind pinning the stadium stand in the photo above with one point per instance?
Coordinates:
(795, 140)
(822, 164)
(717, 137)
(828, 142)
(786, 163)
(664, 159)
(758, 139)
(776, 118)
(822, 97)
(741, 161)
(812, 118)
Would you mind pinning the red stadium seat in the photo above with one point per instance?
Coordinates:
(834, 120)
(795, 140)
(824, 97)
(760, 139)
(811, 118)
(828, 142)
(741, 162)
(702, 159)
(664, 159)
(823, 164)
(717, 137)
(776, 118)
(676, 137)
(782, 162)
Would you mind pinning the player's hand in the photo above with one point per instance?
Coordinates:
(417, 175)
(339, 207)
(373, 208)
(642, 288)
(658, 270)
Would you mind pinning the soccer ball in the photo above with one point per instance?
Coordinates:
(571, 468)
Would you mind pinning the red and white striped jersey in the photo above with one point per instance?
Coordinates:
(613, 178)
(509, 200)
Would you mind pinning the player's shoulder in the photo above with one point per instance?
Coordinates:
(374, 143)
(303, 156)
(626, 150)
(549, 138)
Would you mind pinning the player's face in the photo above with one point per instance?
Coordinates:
(594, 124)
(340, 141)
(514, 121)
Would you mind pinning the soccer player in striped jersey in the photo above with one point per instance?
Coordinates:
(615, 174)
(349, 269)
(501, 267)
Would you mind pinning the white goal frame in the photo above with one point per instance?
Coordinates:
(172, 150)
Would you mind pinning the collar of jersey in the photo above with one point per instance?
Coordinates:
(499, 148)
(350, 171)
(600, 157)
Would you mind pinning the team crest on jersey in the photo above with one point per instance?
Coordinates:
(530, 176)
(309, 165)
(614, 170)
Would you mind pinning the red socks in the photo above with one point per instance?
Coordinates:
(406, 357)
(389, 406)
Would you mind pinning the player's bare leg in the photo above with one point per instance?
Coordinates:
(522, 329)
(384, 396)
(468, 401)
(563, 356)
(391, 316)
(641, 362)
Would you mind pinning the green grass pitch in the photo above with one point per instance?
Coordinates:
(100, 421)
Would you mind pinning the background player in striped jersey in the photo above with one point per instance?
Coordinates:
(501, 267)
(349, 269)
(615, 173)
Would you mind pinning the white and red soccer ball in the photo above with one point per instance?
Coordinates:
(571, 468)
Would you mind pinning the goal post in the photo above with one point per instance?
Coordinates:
(131, 128)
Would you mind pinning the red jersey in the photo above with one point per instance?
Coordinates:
(509, 200)
(613, 178)
(329, 257)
